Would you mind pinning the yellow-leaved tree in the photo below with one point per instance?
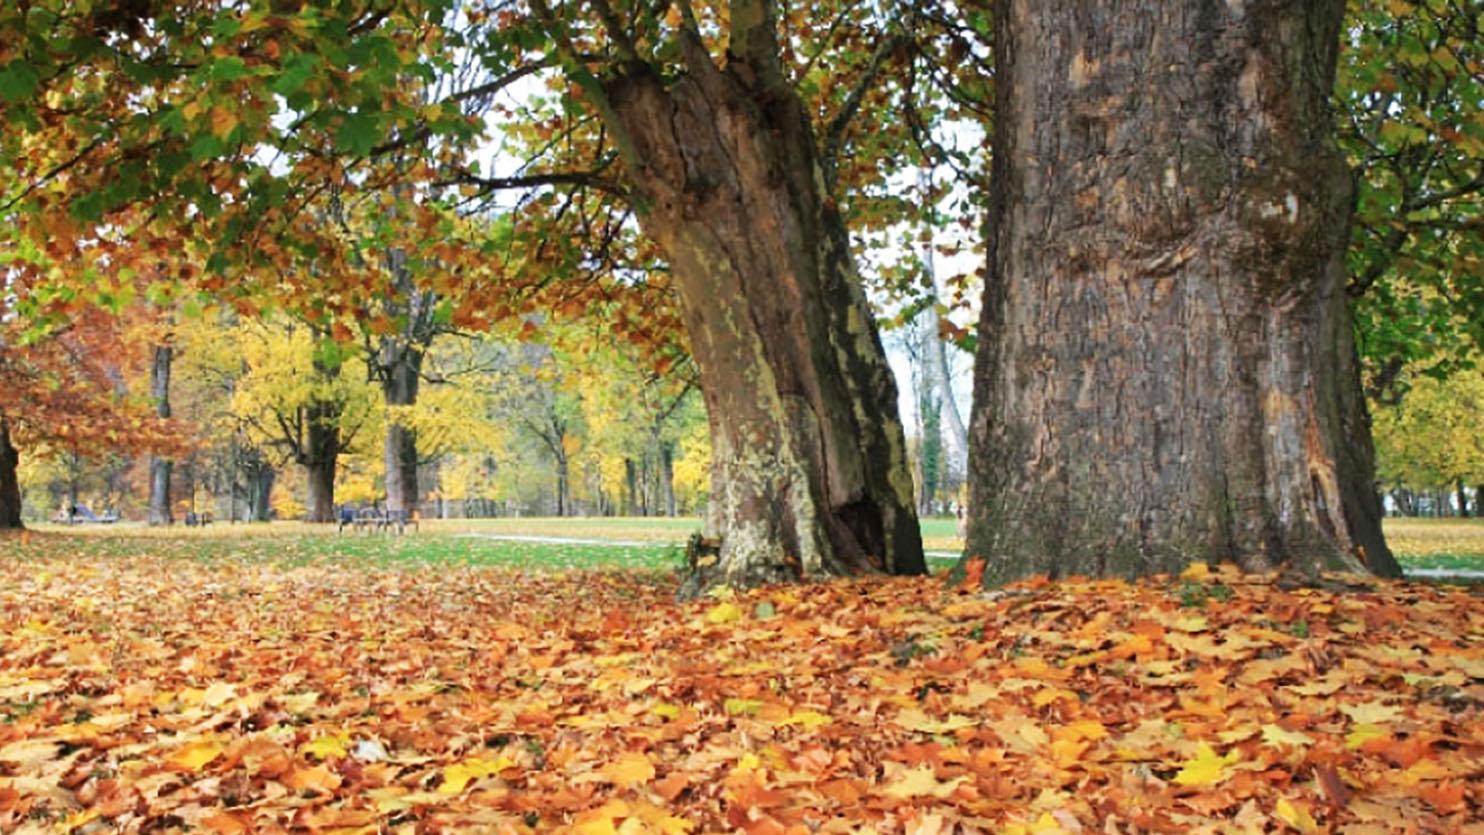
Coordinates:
(1434, 438)
(303, 394)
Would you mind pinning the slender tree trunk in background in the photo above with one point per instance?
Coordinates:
(260, 504)
(10, 487)
(1166, 371)
(159, 468)
(1463, 500)
(956, 434)
(809, 461)
(667, 477)
(561, 485)
(1406, 502)
(631, 488)
(400, 388)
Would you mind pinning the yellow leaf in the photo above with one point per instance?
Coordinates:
(1207, 768)
(724, 613)
(195, 756)
(632, 768)
(661, 820)
(1196, 571)
(810, 719)
(1363, 734)
(667, 711)
(1295, 817)
(459, 775)
(327, 746)
(741, 707)
(921, 782)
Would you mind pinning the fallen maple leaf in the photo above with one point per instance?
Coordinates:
(1275, 736)
(459, 775)
(921, 782)
(1206, 768)
(1295, 816)
(632, 768)
(195, 756)
(724, 613)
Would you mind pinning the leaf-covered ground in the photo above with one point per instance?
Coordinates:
(143, 692)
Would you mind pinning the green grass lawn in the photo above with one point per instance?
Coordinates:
(623, 543)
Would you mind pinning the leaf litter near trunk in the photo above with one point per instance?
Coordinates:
(146, 692)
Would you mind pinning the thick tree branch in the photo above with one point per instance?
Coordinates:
(572, 61)
(585, 179)
(834, 135)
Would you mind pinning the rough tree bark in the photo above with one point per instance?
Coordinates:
(319, 457)
(160, 512)
(10, 488)
(402, 375)
(809, 465)
(1166, 370)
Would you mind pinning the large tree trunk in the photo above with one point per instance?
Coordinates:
(399, 388)
(319, 460)
(809, 464)
(320, 504)
(10, 487)
(159, 468)
(1166, 370)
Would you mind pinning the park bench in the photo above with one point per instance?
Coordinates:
(193, 519)
(80, 514)
(369, 519)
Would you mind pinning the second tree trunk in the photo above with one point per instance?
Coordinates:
(1166, 370)
(809, 464)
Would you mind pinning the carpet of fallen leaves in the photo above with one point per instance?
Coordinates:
(148, 694)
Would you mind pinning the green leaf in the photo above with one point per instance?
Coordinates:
(296, 72)
(230, 68)
(18, 81)
(358, 133)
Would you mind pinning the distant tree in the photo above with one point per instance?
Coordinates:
(303, 395)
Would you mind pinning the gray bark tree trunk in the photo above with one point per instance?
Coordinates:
(631, 488)
(399, 387)
(1166, 371)
(667, 476)
(956, 432)
(809, 463)
(319, 459)
(260, 500)
(160, 512)
(10, 488)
